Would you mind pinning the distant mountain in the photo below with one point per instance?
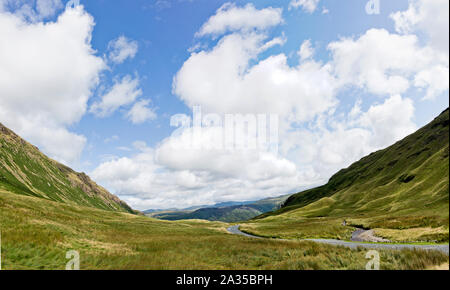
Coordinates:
(149, 211)
(408, 180)
(193, 208)
(25, 170)
(225, 211)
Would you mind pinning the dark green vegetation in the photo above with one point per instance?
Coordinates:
(402, 192)
(37, 233)
(233, 213)
(25, 170)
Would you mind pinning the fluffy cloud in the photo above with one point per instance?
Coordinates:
(123, 92)
(47, 74)
(332, 142)
(314, 139)
(152, 179)
(48, 8)
(434, 79)
(241, 163)
(141, 112)
(314, 142)
(271, 85)
(387, 64)
(428, 16)
(32, 10)
(306, 50)
(307, 5)
(176, 175)
(395, 113)
(121, 49)
(229, 17)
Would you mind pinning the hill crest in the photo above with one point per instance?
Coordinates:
(25, 170)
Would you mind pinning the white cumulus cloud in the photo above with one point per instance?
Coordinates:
(47, 74)
(307, 5)
(306, 50)
(141, 112)
(121, 49)
(124, 92)
(271, 85)
(230, 17)
(428, 16)
(173, 174)
(155, 179)
(47, 8)
(31, 10)
(317, 135)
(385, 64)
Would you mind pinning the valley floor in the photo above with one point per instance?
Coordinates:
(428, 229)
(355, 244)
(37, 233)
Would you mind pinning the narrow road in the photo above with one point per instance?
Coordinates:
(443, 248)
(236, 231)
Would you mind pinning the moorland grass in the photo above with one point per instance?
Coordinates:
(37, 233)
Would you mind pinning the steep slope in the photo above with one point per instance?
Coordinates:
(412, 174)
(404, 186)
(233, 213)
(25, 170)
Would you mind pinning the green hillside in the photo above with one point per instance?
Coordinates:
(401, 191)
(232, 213)
(25, 170)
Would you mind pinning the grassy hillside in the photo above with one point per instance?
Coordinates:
(37, 233)
(402, 192)
(25, 170)
(233, 213)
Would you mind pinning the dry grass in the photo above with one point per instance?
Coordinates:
(37, 233)
(443, 267)
(413, 234)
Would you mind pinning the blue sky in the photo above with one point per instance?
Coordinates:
(368, 78)
(165, 32)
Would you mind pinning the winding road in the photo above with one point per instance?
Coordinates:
(443, 248)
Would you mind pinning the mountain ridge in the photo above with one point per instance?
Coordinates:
(25, 170)
(224, 211)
